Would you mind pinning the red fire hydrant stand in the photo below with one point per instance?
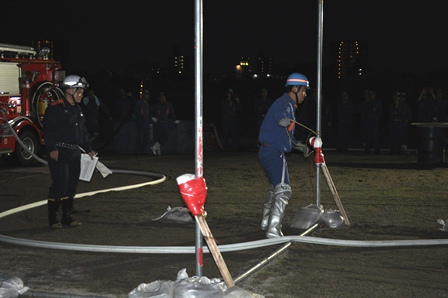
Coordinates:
(319, 159)
(194, 192)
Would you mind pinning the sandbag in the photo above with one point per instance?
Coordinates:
(190, 287)
(307, 216)
(11, 286)
(332, 218)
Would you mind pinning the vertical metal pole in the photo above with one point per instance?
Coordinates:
(198, 116)
(319, 89)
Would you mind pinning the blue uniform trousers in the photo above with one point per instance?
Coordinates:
(64, 173)
(274, 164)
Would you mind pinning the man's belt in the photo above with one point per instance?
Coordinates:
(67, 146)
(262, 144)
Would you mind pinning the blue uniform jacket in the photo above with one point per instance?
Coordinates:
(164, 112)
(272, 134)
(65, 123)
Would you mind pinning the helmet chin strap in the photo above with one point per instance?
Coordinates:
(72, 95)
(297, 96)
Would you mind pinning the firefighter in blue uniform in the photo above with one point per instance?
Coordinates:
(64, 132)
(276, 138)
(162, 116)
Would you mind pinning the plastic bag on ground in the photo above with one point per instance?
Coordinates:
(11, 286)
(176, 214)
(237, 292)
(158, 288)
(444, 224)
(199, 287)
(332, 218)
(307, 216)
(190, 287)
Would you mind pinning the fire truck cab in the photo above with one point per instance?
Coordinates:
(28, 83)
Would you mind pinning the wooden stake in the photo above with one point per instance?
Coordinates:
(334, 192)
(200, 219)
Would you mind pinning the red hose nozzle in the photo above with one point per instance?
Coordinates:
(193, 191)
(316, 142)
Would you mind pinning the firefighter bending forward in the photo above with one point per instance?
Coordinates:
(64, 132)
(276, 138)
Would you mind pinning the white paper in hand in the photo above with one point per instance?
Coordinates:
(87, 167)
(105, 171)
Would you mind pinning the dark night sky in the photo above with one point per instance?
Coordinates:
(402, 34)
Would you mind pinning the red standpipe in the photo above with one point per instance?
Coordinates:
(193, 191)
(316, 142)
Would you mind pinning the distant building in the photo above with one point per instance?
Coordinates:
(349, 59)
(244, 65)
(263, 67)
(179, 64)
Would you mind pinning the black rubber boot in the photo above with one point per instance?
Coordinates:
(67, 209)
(53, 209)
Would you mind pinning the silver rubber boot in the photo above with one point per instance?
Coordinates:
(282, 194)
(267, 208)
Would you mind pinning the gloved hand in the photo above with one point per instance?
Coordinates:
(177, 121)
(284, 122)
(154, 119)
(303, 148)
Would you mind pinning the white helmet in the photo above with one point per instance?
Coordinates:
(74, 81)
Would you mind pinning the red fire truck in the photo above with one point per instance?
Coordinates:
(28, 83)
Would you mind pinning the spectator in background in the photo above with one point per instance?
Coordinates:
(261, 106)
(440, 107)
(119, 104)
(306, 113)
(230, 107)
(425, 106)
(344, 112)
(91, 106)
(370, 110)
(126, 104)
(162, 115)
(141, 116)
(326, 122)
(408, 116)
(398, 121)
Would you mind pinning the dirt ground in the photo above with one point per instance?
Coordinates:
(386, 197)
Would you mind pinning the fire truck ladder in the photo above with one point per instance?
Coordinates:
(16, 49)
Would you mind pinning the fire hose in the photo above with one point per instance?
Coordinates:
(190, 249)
(171, 249)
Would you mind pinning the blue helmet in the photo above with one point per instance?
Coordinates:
(297, 79)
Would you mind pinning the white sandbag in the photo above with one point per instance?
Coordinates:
(332, 218)
(307, 216)
(11, 286)
(190, 287)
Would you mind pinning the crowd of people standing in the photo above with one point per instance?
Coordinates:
(374, 120)
(386, 123)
